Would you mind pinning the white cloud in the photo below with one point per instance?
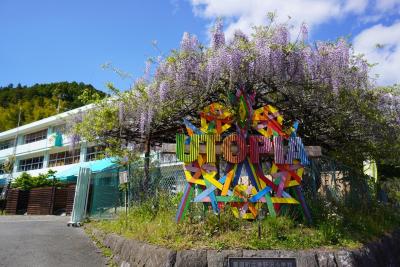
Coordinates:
(381, 44)
(387, 5)
(243, 14)
(356, 6)
(381, 9)
(175, 5)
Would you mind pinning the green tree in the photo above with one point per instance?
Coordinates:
(41, 101)
(326, 87)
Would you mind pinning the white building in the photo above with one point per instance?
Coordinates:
(37, 150)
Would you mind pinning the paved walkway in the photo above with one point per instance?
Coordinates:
(45, 241)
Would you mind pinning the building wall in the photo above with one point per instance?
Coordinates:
(44, 147)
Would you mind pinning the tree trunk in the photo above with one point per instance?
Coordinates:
(146, 165)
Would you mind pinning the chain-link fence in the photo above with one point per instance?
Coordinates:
(338, 182)
(324, 177)
(107, 196)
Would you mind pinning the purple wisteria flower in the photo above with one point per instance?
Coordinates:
(299, 77)
(303, 32)
(189, 43)
(147, 70)
(266, 57)
(163, 88)
(218, 36)
(389, 104)
(75, 139)
(240, 36)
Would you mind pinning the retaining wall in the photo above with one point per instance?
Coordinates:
(127, 252)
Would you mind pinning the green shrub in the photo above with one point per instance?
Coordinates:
(392, 188)
(26, 181)
(23, 182)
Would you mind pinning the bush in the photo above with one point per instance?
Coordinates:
(27, 182)
(23, 182)
(392, 188)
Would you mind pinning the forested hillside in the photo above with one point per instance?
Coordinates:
(41, 101)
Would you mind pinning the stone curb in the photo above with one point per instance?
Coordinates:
(129, 253)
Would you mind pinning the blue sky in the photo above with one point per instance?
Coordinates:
(49, 41)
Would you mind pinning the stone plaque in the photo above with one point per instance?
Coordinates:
(261, 262)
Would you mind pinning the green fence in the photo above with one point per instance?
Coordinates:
(167, 177)
(324, 177)
(338, 182)
(105, 197)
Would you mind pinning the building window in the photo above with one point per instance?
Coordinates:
(37, 136)
(94, 153)
(6, 144)
(30, 164)
(64, 158)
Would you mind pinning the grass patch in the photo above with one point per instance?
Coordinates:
(153, 222)
(104, 250)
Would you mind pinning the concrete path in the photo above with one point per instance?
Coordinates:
(45, 241)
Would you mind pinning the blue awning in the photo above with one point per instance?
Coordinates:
(95, 166)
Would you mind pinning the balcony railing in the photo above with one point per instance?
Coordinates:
(4, 153)
(32, 147)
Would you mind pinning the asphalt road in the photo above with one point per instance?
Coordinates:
(45, 241)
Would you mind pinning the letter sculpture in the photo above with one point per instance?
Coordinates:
(254, 146)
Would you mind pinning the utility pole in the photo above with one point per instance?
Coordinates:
(58, 105)
(15, 145)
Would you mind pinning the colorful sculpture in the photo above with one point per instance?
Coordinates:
(243, 152)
